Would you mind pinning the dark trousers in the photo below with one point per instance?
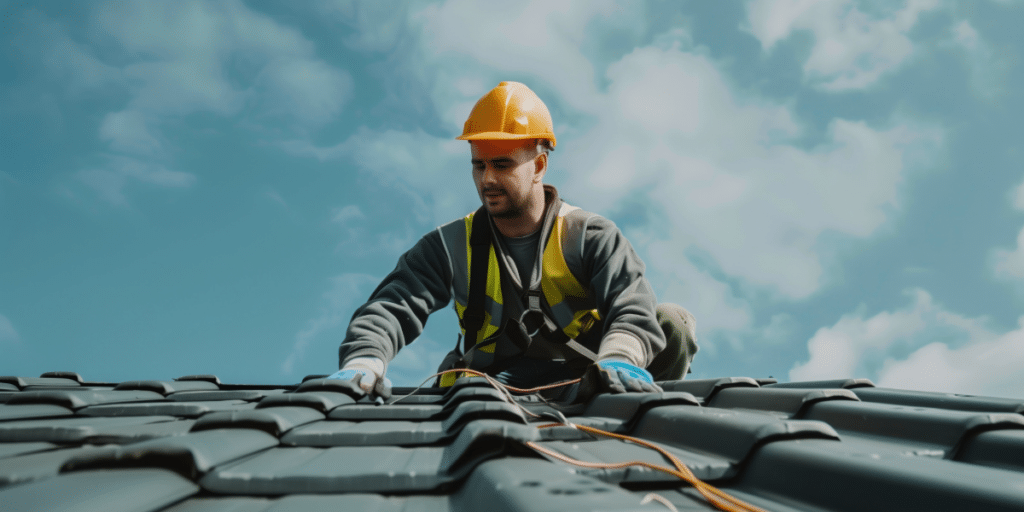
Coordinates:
(680, 330)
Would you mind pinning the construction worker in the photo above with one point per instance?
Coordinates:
(544, 291)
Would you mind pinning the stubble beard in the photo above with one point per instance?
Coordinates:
(512, 211)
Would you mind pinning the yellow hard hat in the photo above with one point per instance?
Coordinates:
(509, 111)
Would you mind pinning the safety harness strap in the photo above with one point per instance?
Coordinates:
(480, 243)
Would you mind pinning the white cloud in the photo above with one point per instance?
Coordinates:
(922, 346)
(186, 53)
(724, 174)
(110, 181)
(987, 70)
(432, 172)
(126, 131)
(177, 58)
(1018, 197)
(275, 196)
(304, 90)
(339, 304)
(72, 63)
(7, 332)
(852, 49)
(1008, 264)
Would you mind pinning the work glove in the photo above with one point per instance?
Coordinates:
(363, 372)
(617, 376)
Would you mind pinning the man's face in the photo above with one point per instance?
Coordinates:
(505, 172)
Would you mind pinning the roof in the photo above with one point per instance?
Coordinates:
(197, 444)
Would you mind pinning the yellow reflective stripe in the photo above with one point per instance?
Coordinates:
(489, 348)
(582, 322)
(448, 379)
(557, 281)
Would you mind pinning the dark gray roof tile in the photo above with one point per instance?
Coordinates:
(942, 428)
(792, 402)
(205, 377)
(365, 433)
(338, 469)
(368, 468)
(829, 476)
(18, 412)
(999, 448)
(470, 411)
(133, 434)
(68, 430)
(274, 421)
(725, 433)
(823, 384)
(322, 401)
(412, 411)
(400, 433)
(65, 375)
(100, 491)
(401, 396)
(630, 407)
(361, 502)
(12, 449)
(224, 504)
(611, 451)
(166, 387)
(397, 412)
(332, 385)
(179, 409)
(35, 466)
(249, 395)
(23, 382)
(704, 389)
(941, 400)
(79, 398)
(533, 485)
(465, 448)
(189, 455)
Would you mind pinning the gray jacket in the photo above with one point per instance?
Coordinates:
(421, 284)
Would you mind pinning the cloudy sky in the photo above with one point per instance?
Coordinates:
(833, 188)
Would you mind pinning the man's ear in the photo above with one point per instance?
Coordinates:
(540, 167)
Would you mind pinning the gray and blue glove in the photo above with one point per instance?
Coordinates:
(368, 374)
(620, 377)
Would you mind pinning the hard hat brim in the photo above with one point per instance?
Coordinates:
(503, 136)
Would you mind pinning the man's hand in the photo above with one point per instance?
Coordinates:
(363, 372)
(618, 376)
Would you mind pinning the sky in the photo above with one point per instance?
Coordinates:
(834, 189)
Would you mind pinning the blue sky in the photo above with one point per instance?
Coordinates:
(834, 189)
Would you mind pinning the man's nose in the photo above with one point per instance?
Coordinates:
(489, 174)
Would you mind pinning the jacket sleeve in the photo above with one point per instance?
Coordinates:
(398, 309)
(624, 297)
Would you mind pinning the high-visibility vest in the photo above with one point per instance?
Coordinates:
(565, 300)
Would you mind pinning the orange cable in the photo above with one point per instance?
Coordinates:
(715, 496)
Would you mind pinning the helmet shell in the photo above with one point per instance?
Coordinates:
(510, 111)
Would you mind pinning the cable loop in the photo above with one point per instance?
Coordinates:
(716, 497)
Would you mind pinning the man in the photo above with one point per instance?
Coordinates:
(544, 291)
